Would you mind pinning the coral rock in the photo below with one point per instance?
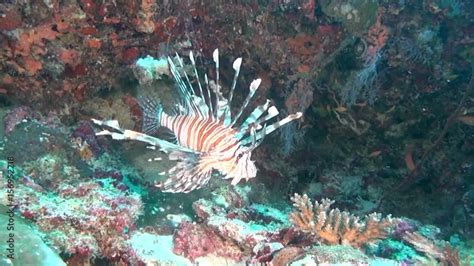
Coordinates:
(193, 241)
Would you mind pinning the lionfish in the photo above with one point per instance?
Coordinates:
(208, 137)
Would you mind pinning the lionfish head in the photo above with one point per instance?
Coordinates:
(241, 167)
(245, 166)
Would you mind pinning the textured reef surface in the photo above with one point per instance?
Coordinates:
(379, 170)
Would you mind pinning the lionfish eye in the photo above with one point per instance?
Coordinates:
(239, 156)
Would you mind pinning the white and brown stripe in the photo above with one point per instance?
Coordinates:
(203, 135)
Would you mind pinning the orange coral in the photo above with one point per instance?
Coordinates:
(34, 37)
(335, 227)
(144, 22)
(83, 147)
(32, 66)
(312, 49)
(94, 43)
(305, 44)
(30, 47)
(70, 57)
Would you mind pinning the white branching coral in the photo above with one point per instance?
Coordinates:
(335, 227)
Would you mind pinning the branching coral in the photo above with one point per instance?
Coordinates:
(335, 227)
(363, 84)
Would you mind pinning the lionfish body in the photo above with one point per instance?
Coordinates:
(207, 137)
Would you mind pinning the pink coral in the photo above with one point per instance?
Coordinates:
(375, 39)
(193, 241)
(15, 117)
(244, 227)
(87, 219)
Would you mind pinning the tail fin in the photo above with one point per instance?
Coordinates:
(152, 110)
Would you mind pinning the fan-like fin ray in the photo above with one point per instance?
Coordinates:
(253, 88)
(125, 134)
(269, 129)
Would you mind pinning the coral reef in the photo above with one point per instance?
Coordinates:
(87, 219)
(222, 231)
(15, 117)
(335, 227)
(50, 171)
(386, 91)
(86, 141)
(341, 254)
(363, 84)
(445, 255)
(193, 241)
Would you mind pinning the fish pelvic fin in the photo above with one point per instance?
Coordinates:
(186, 175)
(152, 112)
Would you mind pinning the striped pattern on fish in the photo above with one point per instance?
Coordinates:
(200, 134)
(208, 137)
